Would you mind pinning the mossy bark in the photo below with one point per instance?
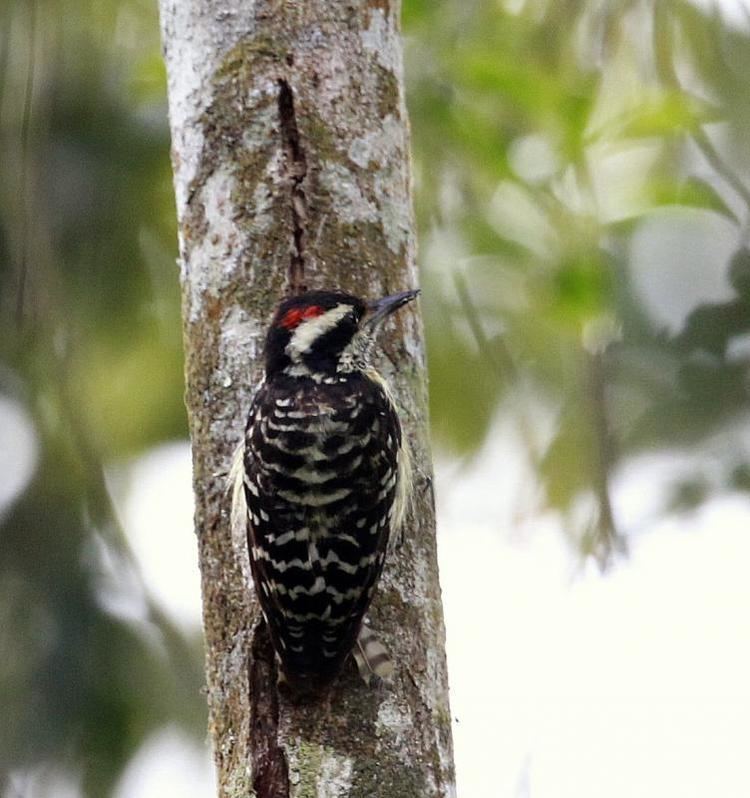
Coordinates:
(291, 163)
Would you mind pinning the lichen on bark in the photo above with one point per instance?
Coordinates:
(290, 153)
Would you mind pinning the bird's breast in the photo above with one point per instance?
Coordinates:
(321, 482)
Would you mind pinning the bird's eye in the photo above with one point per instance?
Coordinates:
(294, 317)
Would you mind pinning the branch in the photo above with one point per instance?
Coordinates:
(291, 166)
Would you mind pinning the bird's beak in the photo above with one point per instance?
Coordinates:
(380, 309)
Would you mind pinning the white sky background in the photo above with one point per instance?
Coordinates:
(570, 684)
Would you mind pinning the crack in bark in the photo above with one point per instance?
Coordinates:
(269, 767)
(296, 171)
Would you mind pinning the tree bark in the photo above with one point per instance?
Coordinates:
(291, 170)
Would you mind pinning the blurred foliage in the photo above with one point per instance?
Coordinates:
(556, 145)
(581, 172)
(90, 343)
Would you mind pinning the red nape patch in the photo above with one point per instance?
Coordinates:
(296, 315)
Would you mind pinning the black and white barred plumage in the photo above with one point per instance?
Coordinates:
(320, 481)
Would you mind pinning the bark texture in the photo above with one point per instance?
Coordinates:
(291, 170)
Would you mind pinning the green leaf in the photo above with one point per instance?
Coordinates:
(698, 193)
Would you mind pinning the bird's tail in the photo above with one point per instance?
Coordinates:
(373, 661)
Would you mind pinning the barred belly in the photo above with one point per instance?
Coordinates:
(321, 476)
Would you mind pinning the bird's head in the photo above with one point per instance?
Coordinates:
(324, 332)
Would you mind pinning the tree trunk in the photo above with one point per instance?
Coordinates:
(291, 170)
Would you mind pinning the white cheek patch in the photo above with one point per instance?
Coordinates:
(311, 329)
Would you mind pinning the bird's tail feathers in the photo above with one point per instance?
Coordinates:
(373, 661)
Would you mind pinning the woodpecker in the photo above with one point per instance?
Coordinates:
(321, 481)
